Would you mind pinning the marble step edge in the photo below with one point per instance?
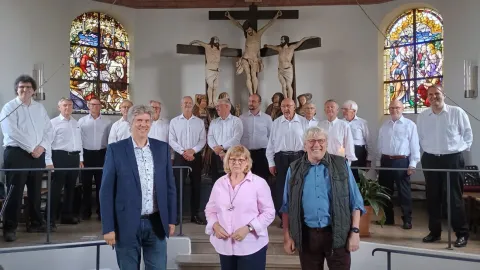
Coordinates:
(212, 260)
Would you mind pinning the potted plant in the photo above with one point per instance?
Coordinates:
(374, 198)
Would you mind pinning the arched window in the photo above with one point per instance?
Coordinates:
(99, 62)
(413, 58)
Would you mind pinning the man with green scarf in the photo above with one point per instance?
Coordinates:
(321, 207)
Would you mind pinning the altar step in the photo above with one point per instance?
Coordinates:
(212, 262)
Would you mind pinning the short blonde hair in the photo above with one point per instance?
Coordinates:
(237, 151)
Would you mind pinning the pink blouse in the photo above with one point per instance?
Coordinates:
(252, 204)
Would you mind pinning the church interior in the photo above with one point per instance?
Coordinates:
(149, 56)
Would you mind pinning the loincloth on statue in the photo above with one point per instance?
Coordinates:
(255, 64)
(211, 75)
(286, 73)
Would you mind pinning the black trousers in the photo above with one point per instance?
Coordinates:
(436, 186)
(216, 167)
(195, 179)
(260, 163)
(361, 154)
(91, 158)
(255, 261)
(63, 180)
(402, 181)
(17, 158)
(282, 163)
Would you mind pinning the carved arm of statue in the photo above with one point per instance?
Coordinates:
(298, 44)
(235, 22)
(270, 23)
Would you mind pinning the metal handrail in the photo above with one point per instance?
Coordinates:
(58, 246)
(49, 182)
(419, 254)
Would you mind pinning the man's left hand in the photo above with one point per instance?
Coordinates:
(411, 170)
(353, 242)
(241, 233)
(38, 151)
(172, 229)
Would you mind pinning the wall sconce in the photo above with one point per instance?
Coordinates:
(38, 76)
(470, 79)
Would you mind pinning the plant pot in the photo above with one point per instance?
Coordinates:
(365, 221)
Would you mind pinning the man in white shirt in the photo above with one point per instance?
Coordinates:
(121, 129)
(66, 152)
(27, 135)
(224, 132)
(444, 132)
(159, 129)
(361, 136)
(284, 146)
(398, 147)
(340, 139)
(187, 138)
(256, 131)
(310, 112)
(94, 129)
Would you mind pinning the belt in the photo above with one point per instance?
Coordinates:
(362, 146)
(148, 216)
(441, 155)
(73, 153)
(394, 157)
(324, 229)
(289, 153)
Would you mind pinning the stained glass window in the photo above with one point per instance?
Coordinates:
(99, 62)
(413, 58)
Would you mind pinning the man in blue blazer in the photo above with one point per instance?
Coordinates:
(138, 196)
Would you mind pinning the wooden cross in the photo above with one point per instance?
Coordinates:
(308, 44)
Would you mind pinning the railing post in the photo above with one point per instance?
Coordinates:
(389, 260)
(49, 198)
(98, 258)
(181, 203)
(449, 212)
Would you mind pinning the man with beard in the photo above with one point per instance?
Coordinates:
(274, 109)
(444, 132)
(251, 62)
(212, 56)
(285, 67)
(187, 137)
(256, 131)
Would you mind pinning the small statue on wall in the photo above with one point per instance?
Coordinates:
(302, 100)
(200, 110)
(274, 109)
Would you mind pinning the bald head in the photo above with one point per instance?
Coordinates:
(288, 108)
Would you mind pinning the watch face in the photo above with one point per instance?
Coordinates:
(355, 230)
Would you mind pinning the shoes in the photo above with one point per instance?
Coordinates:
(36, 228)
(71, 221)
(198, 220)
(461, 242)
(10, 236)
(431, 238)
(407, 226)
(53, 227)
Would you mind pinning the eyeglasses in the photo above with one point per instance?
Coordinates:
(238, 161)
(313, 141)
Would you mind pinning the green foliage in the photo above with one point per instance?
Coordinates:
(373, 194)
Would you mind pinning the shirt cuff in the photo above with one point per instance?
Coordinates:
(259, 229)
(209, 227)
(271, 163)
(48, 162)
(413, 164)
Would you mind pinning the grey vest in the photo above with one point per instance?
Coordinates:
(341, 214)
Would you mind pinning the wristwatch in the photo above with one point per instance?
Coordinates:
(250, 228)
(355, 230)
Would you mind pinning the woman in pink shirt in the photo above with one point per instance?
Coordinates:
(238, 213)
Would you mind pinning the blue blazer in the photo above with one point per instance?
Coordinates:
(121, 194)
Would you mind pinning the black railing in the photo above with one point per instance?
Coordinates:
(49, 183)
(59, 246)
(420, 254)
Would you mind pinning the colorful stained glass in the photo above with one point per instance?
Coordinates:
(99, 62)
(413, 58)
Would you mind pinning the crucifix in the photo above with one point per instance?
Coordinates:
(286, 60)
(213, 51)
(250, 62)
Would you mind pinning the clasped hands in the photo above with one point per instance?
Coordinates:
(38, 151)
(188, 154)
(219, 151)
(238, 235)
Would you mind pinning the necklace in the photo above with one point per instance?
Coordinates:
(231, 207)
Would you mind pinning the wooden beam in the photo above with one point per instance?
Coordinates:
(261, 15)
(308, 44)
(199, 50)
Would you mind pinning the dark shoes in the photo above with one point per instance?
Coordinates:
(461, 242)
(70, 221)
(9, 236)
(36, 228)
(431, 238)
(198, 220)
(407, 226)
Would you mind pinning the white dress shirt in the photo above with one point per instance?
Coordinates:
(187, 134)
(26, 126)
(146, 169)
(226, 133)
(361, 134)
(445, 133)
(66, 137)
(94, 132)
(256, 130)
(159, 130)
(312, 122)
(340, 139)
(399, 138)
(120, 130)
(286, 136)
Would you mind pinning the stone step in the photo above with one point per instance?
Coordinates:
(212, 262)
(202, 245)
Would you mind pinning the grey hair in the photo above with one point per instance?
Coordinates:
(312, 131)
(137, 110)
(352, 104)
(181, 101)
(64, 99)
(155, 101)
(224, 101)
(310, 103)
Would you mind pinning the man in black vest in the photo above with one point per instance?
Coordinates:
(321, 207)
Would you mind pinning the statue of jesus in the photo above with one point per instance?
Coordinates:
(251, 62)
(285, 67)
(212, 55)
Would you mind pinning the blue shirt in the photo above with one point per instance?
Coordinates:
(317, 195)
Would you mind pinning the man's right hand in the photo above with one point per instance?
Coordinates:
(220, 232)
(288, 245)
(273, 170)
(109, 238)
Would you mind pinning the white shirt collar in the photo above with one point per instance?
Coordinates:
(136, 146)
